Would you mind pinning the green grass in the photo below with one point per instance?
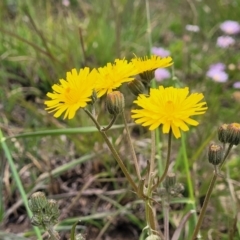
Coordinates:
(40, 42)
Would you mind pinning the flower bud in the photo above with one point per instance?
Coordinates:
(153, 237)
(93, 97)
(79, 237)
(147, 76)
(223, 133)
(37, 202)
(177, 189)
(170, 180)
(115, 102)
(215, 154)
(163, 192)
(52, 211)
(36, 220)
(45, 212)
(136, 87)
(51, 214)
(233, 133)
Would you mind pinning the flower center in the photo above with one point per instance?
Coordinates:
(236, 126)
(71, 96)
(169, 107)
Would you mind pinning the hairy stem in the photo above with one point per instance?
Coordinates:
(166, 218)
(152, 159)
(114, 153)
(110, 124)
(133, 154)
(208, 195)
(167, 162)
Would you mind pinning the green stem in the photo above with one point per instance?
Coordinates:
(166, 218)
(167, 162)
(151, 222)
(189, 184)
(133, 154)
(153, 85)
(152, 159)
(53, 234)
(149, 30)
(150, 217)
(110, 124)
(207, 197)
(18, 181)
(114, 153)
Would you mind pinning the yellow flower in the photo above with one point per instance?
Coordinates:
(171, 107)
(71, 94)
(146, 66)
(113, 75)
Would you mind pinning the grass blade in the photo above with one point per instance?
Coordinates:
(17, 179)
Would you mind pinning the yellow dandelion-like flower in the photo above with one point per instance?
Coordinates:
(113, 76)
(152, 63)
(146, 66)
(71, 94)
(171, 107)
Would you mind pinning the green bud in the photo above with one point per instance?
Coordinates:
(37, 202)
(233, 133)
(177, 189)
(93, 97)
(147, 76)
(79, 237)
(36, 220)
(136, 87)
(170, 180)
(45, 212)
(215, 154)
(223, 133)
(163, 192)
(115, 102)
(52, 213)
(153, 237)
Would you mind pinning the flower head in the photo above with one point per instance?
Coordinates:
(71, 94)
(218, 66)
(233, 133)
(115, 102)
(236, 85)
(230, 27)
(146, 66)
(161, 52)
(161, 74)
(217, 75)
(225, 41)
(170, 107)
(215, 154)
(113, 76)
(152, 63)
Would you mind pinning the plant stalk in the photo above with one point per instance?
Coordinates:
(207, 197)
(133, 153)
(167, 162)
(114, 153)
(166, 218)
(152, 159)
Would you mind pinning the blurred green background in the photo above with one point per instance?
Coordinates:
(41, 40)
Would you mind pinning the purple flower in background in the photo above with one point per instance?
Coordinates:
(218, 66)
(192, 28)
(230, 27)
(225, 41)
(161, 74)
(236, 85)
(65, 3)
(217, 75)
(161, 52)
